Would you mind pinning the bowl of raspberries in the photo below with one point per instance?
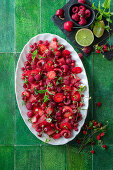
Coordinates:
(82, 15)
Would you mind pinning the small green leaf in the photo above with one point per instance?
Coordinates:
(46, 98)
(29, 120)
(42, 91)
(106, 4)
(59, 79)
(34, 54)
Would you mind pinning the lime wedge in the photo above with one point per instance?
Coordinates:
(84, 37)
(99, 28)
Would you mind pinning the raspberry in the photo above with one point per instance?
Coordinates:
(29, 56)
(31, 79)
(98, 137)
(99, 104)
(38, 77)
(98, 51)
(87, 13)
(46, 43)
(92, 151)
(81, 1)
(30, 114)
(104, 146)
(82, 21)
(58, 53)
(76, 17)
(81, 13)
(75, 9)
(40, 42)
(65, 53)
(82, 8)
(87, 50)
(29, 106)
(80, 55)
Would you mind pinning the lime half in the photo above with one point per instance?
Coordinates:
(84, 37)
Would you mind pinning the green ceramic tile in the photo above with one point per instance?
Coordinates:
(103, 114)
(23, 135)
(53, 158)
(27, 158)
(102, 79)
(103, 159)
(78, 161)
(7, 98)
(6, 157)
(6, 25)
(47, 25)
(27, 21)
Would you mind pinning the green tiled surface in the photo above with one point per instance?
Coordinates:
(19, 148)
(6, 25)
(7, 99)
(6, 157)
(27, 158)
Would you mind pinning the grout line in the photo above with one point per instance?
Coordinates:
(40, 16)
(66, 156)
(40, 155)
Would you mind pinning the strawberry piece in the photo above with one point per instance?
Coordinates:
(32, 72)
(77, 70)
(42, 48)
(32, 87)
(58, 97)
(53, 45)
(76, 96)
(41, 119)
(32, 98)
(40, 112)
(35, 110)
(65, 126)
(67, 108)
(65, 53)
(67, 88)
(49, 110)
(51, 75)
(65, 133)
(61, 60)
(67, 114)
(26, 94)
(34, 119)
(49, 65)
(51, 132)
(56, 136)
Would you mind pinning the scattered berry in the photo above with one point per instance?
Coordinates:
(84, 132)
(87, 50)
(98, 137)
(98, 51)
(68, 26)
(104, 146)
(92, 151)
(102, 134)
(99, 104)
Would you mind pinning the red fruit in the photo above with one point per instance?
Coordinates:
(75, 17)
(82, 21)
(29, 106)
(32, 72)
(84, 132)
(38, 77)
(99, 104)
(30, 114)
(105, 48)
(81, 1)
(53, 45)
(40, 42)
(58, 97)
(58, 53)
(66, 87)
(102, 134)
(87, 50)
(65, 68)
(29, 57)
(80, 55)
(65, 125)
(35, 110)
(60, 13)
(95, 123)
(67, 109)
(42, 49)
(50, 132)
(75, 9)
(31, 79)
(104, 146)
(26, 94)
(77, 70)
(51, 75)
(92, 151)
(81, 7)
(56, 136)
(55, 39)
(32, 98)
(87, 13)
(34, 119)
(81, 13)
(66, 53)
(68, 26)
(49, 65)
(111, 46)
(98, 51)
(67, 114)
(65, 133)
(78, 141)
(49, 110)
(76, 96)
(98, 137)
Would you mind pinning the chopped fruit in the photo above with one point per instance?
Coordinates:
(51, 75)
(51, 88)
(60, 13)
(76, 96)
(58, 97)
(68, 26)
(65, 126)
(42, 49)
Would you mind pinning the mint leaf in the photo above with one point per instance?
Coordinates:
(60, 78)
(34, 54)
(106, 4)
(46, 98)
(42, 91)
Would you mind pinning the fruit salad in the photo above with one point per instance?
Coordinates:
(53, 93)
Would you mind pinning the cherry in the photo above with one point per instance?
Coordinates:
(68, 26)
(60, 13)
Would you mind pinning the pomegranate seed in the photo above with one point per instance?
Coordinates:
(104, 146)
(99, 104)
(98, 137)
(92, 151)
